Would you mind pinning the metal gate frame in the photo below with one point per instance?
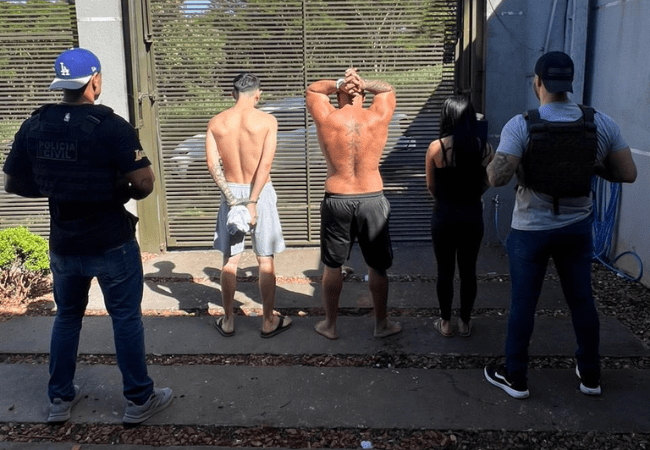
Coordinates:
(469, 78)
(141, 82)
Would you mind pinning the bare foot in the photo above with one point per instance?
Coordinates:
(329, 332)
(387, 328)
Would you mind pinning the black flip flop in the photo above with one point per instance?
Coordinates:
(217, 324)
(279, 329)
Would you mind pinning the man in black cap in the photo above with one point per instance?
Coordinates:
(88, 162)
(554, 151)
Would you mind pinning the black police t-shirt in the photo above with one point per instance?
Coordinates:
(77, 161)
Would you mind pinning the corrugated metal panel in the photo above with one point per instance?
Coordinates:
(32, 34)
(290, 44)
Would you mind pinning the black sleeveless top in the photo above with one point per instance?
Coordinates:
(459, 184)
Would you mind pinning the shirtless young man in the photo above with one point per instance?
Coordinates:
(352, 140)
(243, 140)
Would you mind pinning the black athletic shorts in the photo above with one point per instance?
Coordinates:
(345, 218)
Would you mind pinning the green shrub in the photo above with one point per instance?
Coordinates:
(20, 247)
(24, 264)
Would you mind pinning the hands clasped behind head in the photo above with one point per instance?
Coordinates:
(353, 82)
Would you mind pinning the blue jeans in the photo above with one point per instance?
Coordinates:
(529, 251)
(120, 276)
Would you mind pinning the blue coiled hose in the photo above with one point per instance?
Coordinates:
(605, 215)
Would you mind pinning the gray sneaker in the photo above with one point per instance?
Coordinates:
(60, 409)
(159, 400)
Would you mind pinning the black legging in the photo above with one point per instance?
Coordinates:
(456, 233)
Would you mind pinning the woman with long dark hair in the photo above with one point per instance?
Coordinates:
(456, 179)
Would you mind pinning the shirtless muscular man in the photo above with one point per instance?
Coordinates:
(352, 140)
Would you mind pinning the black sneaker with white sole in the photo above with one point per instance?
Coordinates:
(498, 377)
(589, 383)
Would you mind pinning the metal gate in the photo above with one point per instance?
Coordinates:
(32, 34)
(201, 46)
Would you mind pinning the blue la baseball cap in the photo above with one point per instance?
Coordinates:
(74, 68)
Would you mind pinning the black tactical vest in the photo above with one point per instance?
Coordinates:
(561, 156)
(68, 161)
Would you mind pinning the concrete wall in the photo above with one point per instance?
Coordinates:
(518, 33)
(619, 85)
(101, 31)
(609, 44)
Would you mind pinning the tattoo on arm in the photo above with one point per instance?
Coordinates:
(501, 169)
(220, 179)
(377, 86)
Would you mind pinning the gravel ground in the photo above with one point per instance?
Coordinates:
(342, 438)
(627, 301)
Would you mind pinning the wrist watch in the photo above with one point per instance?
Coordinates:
(339, 83)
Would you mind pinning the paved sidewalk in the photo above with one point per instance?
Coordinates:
(188, 281)
(297, 396)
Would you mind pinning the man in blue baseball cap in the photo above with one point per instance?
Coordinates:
(87, 161)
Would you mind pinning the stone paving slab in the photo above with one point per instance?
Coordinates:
(311, 397)
(409, 258)
(196, 336)
(206, 295)
(300, 396)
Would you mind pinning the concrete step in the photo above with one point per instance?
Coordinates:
(182, 335)
(295, 397)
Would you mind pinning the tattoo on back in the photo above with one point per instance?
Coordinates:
(353, 134)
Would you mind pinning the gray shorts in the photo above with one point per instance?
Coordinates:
(266, 236)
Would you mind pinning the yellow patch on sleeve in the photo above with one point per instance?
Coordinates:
(139, 154)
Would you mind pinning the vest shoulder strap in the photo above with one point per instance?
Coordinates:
(535, 124)
(99, 113)
(588, 114)
(36, 114)
(532, 116)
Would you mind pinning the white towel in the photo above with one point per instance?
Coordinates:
(239, 219)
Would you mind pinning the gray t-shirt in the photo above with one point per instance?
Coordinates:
(533, 210)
